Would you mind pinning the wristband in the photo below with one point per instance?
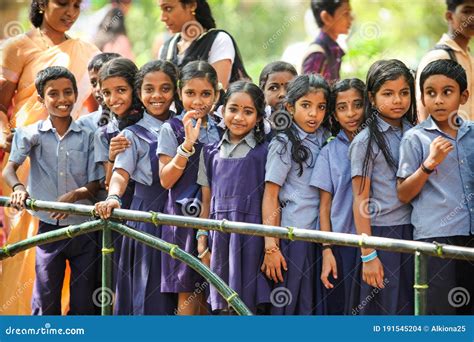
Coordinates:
(16, 184)
(201, 232)
(324, 247)
(111, 161)
(369, 257)
(272, 250)
(114, 197)
(203, 254)
(425, 169)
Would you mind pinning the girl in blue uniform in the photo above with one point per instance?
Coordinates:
(288, 200)
(390, 111)
(332, 176)
(179, 147)
(232, 176)
(139, 277)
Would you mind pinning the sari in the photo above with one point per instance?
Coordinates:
(21, 60)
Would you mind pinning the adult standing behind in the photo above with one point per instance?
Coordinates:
(195, 37)
(23, 56)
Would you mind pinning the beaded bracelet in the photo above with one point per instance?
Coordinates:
(114, 197)
(272, 250)
(201, 232)
(369, 257)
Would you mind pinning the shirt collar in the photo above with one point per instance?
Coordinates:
(385, 126)
(430, 125)
(150, 122)
(447, 40)
(249, 139)
(317, 136)
(342, 136)
(47, 125)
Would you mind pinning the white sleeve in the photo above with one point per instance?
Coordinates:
(221, 49)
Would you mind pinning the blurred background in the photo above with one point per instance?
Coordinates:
(266, 30)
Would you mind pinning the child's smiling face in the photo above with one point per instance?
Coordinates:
(118, 95)
(157, 93)
(309, 110)
(349, 110)
(198, 94)
(240, 115)
(59, 97)
(442, 97)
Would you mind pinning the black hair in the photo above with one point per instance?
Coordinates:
(164, 66)
(274, 67)
(452, 4)
(111, 26)
(379, 73)
(126, 69)
(297, 88)
(199, 69)
(53, 73)
(203, 13)
(36, 18)
(330, 6)
(339, 87)
(98, 60)
(258, 98)
(446, 67)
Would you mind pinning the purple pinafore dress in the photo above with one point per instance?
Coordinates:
(183, 199)
(139, 274)
(237, 191)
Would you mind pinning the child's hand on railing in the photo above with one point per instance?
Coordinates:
(18, 197)
(104, 209)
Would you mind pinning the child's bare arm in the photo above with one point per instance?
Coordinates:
(118, 184)
(329, 261)
(19, 194)
(205, 210)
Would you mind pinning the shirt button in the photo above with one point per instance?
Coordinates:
(61, 148)
(61, 173)
(461, 162)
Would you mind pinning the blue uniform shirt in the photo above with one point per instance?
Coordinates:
(102, 143)
(444, 207)
(300, 202)
(386, 209)
(332, 174)
(135, 160)
(90, 121)
(58, 164)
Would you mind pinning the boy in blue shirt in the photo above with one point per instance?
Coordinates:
(435, 175)
(62, 169)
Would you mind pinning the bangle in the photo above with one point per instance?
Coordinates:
(185, 150)
(369, 257)
(111, 161)
(324, 247)
(201, 232)
(16, 184)
(425, 169)
(203, 254)
(173, 163)
(272, 250)
(114, 197)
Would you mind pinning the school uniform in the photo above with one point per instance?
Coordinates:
(332, 174)
(139, 271)
(449, 191)
(389, 218)
(92, 120)
(60, 165)
(299, 208)
(184, 198)
(235, 174)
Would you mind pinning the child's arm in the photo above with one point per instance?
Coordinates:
(87, 191)
(202, 238)
(329, 261)
(118, 184)
(118, 144)
(172, 168)
(372, 271)
(19, 193)
(408, 188)
(273, 260)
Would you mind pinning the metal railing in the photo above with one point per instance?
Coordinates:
(421, 250)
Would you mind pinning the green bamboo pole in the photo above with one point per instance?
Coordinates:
(230, 295)
(290, 233)
(421, 283)
(52, 236)
(107, 253)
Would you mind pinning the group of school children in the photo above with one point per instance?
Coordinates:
(291, 152)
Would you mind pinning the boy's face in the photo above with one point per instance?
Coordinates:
(462, 19)
(94, 79)
(442, 97)
(341, 21)
(59, 97)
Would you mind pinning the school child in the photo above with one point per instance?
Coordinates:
(101, 116)
(274, 80)
(139, 272)
(179, 146)
(232, 177)
(324, 55)
(390, 110)
(453, 45)
(332, 176)
(62, 169)
(435, 176)
(288, 201)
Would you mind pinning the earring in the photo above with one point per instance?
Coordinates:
(257, 129)
(40, 11)
(193, 13)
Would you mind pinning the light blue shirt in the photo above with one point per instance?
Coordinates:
(386, 209)
(101, 143)
(300, 202)
(58, 164)
(135, 160)
(444, 207)
(90, 121)
(167, 142)
(332, 174)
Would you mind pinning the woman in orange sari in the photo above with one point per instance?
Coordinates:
(22, 57)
